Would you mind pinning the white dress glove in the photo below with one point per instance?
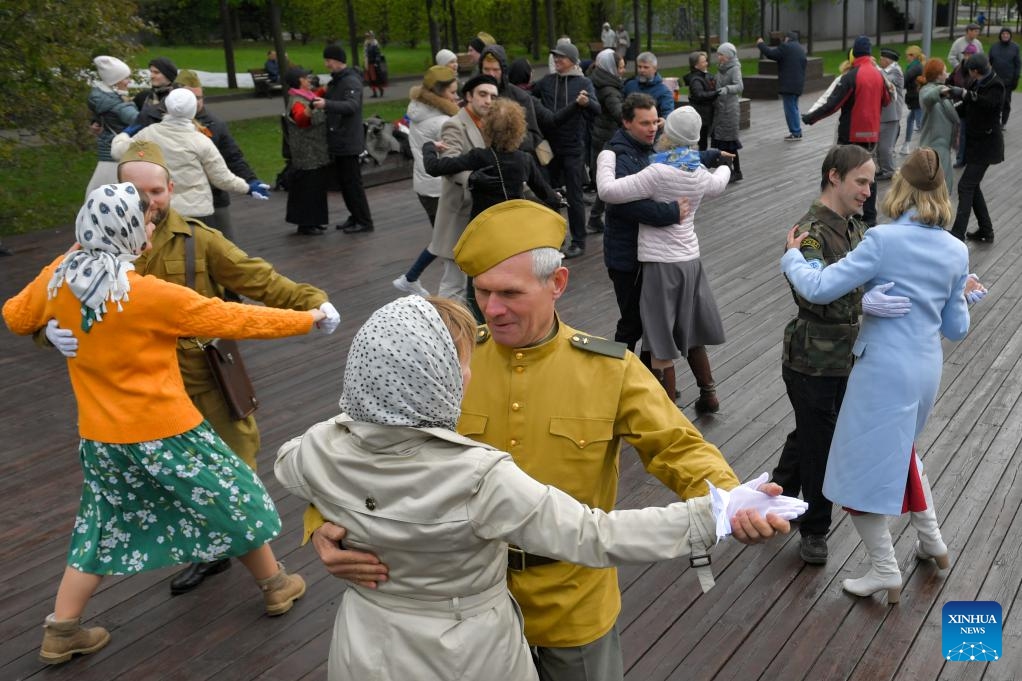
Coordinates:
(876, 302)
(62, 339)
(332, 320)
(976, 295)
(726, 503)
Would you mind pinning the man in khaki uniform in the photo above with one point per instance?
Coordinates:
(219, 264)
(528, 370)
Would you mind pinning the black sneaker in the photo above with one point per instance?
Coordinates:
(983, 237)
(574, 251)
(813, 549)
(792, 138)
(347, 224)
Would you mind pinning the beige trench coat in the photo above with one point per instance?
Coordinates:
(438, 509)
(460, 134)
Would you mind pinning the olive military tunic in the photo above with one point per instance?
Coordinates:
(219, 264)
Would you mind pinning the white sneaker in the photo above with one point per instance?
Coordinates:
(413, 287)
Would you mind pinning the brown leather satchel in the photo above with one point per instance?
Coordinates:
(224, 357)
(228, 370)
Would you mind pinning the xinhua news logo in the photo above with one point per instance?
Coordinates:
(971, 631)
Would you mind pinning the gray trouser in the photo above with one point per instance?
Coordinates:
(453, 281)
(596, 661)
(885, 148)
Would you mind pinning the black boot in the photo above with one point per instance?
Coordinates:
(192, 576)
(982, 235)
(736, 170)
(699, 362)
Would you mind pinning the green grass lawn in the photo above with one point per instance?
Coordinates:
(43, 187)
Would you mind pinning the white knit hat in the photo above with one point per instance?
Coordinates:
(683, 125)
(111, 70)
(181, 103)
(445, 57)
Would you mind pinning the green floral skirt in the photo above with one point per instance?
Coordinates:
(183, 499)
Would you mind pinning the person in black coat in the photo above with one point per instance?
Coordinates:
(980, 108)
(791, 77)
(493, 62)
(1006, 63)
(702, 93)
(346, 136)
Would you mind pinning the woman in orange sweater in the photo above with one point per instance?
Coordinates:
(160, 487)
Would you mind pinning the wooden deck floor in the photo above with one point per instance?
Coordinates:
(769, 617)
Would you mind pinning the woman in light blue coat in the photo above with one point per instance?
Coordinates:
(872, 467)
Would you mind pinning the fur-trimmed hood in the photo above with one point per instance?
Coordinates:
(429, 98)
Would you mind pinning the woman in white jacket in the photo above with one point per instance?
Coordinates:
(439, 509)
(679, 314)
(193, 159)
(431, 104)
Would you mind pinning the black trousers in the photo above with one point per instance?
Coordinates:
(628, 290)
(572, 170)
(970, 200)
(349, 176)
(816, 401)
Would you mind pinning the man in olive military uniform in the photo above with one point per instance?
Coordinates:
(529, 369)
(219, 264)
(818, 342)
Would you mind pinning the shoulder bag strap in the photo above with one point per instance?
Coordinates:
(496, 160)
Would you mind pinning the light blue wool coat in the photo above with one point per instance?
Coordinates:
(898, 360)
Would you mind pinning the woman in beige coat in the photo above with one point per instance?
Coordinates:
(439, 509)
(193, 159)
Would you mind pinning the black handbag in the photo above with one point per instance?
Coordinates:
(224, 357)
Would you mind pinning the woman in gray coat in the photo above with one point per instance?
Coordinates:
(727, 109)
(439, 509)
(940, 120)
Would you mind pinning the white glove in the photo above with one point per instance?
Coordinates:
(726, 504)
(332, 320)
(62, 339)
(976, 295)
(876, 302)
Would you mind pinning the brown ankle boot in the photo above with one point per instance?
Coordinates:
(64, 638)
(699, 363)
(281, 591)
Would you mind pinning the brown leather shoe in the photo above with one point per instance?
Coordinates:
(63, 639)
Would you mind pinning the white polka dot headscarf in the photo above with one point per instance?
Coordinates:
(111, 231)
(403, 369)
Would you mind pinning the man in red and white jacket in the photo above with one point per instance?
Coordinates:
(860, 94)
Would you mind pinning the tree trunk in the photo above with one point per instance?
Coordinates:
(809, 29)
(353, 57)
(278, 42)
(762, 19)
(844, 26)
(551, 39)
(879, 33)
(434, 30)
(706, 26)
(534, 7)
(225, 27)
(649, 25)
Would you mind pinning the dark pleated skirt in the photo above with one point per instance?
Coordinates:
(306, 197)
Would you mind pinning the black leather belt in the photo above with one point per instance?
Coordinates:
(518, 560)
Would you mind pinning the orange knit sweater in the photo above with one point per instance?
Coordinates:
(125, 377)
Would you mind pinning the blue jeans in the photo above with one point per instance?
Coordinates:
(915, 121)
(791, 115)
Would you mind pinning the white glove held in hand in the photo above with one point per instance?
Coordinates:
(726, 504)
(62, 339)
(876, 302)
(332, 320)
(976, 295)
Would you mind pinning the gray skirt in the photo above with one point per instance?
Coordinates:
(678, 309)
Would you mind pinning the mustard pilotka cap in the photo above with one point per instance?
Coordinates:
(144, 150)
(505, 230)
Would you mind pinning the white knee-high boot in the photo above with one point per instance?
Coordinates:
(883, 573)
(930, 544)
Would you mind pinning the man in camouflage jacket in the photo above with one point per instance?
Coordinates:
(818, 341)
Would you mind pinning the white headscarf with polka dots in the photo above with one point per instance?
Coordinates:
(111, 231)
(403, 369)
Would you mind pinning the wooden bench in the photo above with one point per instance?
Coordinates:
(263, 86)
(595, 48)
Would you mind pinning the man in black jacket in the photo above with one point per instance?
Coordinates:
(567, 90)
(346, 136)
(632, 146)
(791, 77)
(980, 107)
(218, 131)
(493, 63)
(1006, 63)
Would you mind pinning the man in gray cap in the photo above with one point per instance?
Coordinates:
(567, 91)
